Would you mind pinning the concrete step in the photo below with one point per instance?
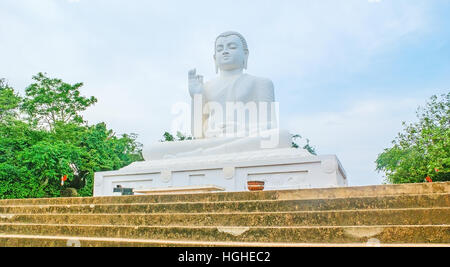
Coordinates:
(420, 216)
(67, 241)
(327, 193)
(386, 202)
(389, 215)
(311, 234)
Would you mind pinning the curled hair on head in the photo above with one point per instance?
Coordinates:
(241, 37)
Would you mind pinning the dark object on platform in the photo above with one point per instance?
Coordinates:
(124, 191)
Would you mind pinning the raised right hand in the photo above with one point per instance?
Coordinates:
(195, 83)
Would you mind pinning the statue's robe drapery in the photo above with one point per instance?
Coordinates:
(244, 89)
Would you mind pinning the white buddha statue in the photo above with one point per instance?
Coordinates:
(232, 113)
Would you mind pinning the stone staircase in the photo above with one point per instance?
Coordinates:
(387, 215)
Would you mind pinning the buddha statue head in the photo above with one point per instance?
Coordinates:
(231, 52)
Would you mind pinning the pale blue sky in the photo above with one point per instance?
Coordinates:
(347, 73)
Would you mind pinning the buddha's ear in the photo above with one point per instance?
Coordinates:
(246, 59)
(215, 62)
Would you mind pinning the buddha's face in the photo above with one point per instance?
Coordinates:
(230, 53)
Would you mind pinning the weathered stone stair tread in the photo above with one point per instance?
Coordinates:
(327, 193)
(64, 241)
(410, 216)
(393, 215)
(387, 202)
(299, 234)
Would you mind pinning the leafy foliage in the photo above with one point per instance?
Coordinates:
(423, 148)
(9, 100)
(168, 137)
(49, 101)
(307, 146)
(33, 159)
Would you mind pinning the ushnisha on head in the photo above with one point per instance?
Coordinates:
(231, 51)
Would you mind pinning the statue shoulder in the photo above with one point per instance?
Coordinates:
(208, 85)
(214, 82)
(264, 87)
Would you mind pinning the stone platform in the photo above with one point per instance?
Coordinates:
(387, 215)
(280, 169)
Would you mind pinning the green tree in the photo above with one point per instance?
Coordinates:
(49, 100)
(100, 150)
(9, 100)
(46, 162)
(296, 138)
(34, 159)
(422, 149)
(168, 137)
(15, 178)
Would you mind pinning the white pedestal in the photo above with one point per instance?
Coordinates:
(280, 169)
